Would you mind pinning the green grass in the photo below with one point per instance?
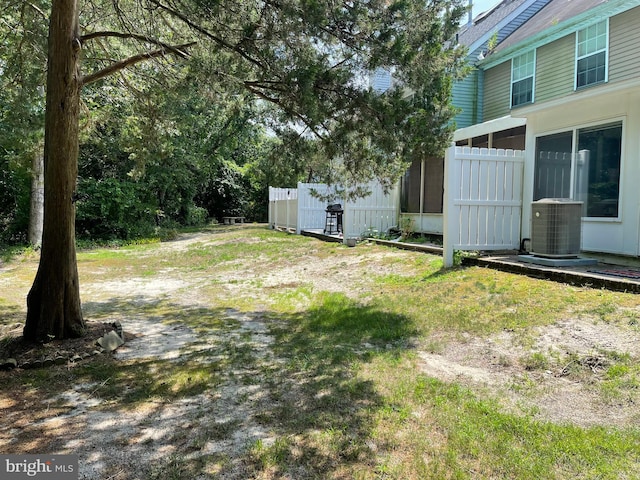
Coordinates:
(339, 389)
(462, 436)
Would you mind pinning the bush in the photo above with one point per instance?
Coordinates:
(112, 208)
(196, 216)
(15, 189)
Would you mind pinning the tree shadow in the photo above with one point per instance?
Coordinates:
(247, 394)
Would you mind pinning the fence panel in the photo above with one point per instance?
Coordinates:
(283, 208)
(377, 211)
(483, 199)
(311, 209)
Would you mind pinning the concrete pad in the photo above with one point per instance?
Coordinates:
(557, 262)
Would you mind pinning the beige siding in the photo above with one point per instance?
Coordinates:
(497, 90)
(624, 42)
(555, 69)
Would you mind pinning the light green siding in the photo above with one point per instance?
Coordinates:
(624, 42)
(555, 69)
(465, 94)
(497, 91)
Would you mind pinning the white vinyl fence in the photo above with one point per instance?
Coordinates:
(283, 208)
(482, 200)
(299, 209)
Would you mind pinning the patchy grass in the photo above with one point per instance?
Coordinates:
(458, 435)
(303, 361)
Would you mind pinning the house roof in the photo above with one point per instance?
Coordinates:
(556, 20)
(503, 20)
(555, 12)
(486, 22)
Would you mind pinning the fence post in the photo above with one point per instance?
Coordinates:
(448, 209)
(288, 221)
(298, 208)
(269, 217)
(275, 210)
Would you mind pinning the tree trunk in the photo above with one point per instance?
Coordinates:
(53, 304)
(36, 213)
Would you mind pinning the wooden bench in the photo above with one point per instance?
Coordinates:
(232, 220)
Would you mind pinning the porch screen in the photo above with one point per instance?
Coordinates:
(410, 190)
(433, 184)
(432, 189)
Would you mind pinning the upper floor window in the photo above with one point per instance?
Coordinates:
(591, 54)
(522, 74)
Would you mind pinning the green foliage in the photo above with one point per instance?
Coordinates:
(176, 138)
(407, 227)
(113, 208)
(493, 41)
(15, 184)
(22, 71)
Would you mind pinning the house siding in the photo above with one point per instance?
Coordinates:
(497, 91)
(555, 69)
(465, 97)
(624, 41)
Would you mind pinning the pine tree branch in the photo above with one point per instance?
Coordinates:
(276, 101)
(127, 62)
(141, 38)
(38, 10)
(208, 34)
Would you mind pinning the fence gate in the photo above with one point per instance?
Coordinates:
(482, 200)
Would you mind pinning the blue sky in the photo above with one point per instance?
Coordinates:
(483, 5)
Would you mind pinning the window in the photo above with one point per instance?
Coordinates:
(599, 152)
(591, 54)
(553, 166)
(522, 72)
(583, 164)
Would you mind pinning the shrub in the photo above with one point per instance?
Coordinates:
(112, 208)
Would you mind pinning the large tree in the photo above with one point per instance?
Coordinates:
(308, 58)
(53, 303)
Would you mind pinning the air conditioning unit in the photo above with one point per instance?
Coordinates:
(556, 227)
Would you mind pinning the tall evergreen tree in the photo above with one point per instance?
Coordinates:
(308, 58)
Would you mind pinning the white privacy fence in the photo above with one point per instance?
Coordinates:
(482, 203)
(283, 208)
(300, 209)
(482, 200)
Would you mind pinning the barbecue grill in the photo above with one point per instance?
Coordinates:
(333, 221)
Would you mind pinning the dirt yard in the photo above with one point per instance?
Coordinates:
(112, 441)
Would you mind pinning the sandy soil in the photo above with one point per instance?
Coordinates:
(77, 421)
(565, 392)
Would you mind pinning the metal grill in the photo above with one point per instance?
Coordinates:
(333, 221)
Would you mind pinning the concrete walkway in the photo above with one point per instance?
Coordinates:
(611, 272)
